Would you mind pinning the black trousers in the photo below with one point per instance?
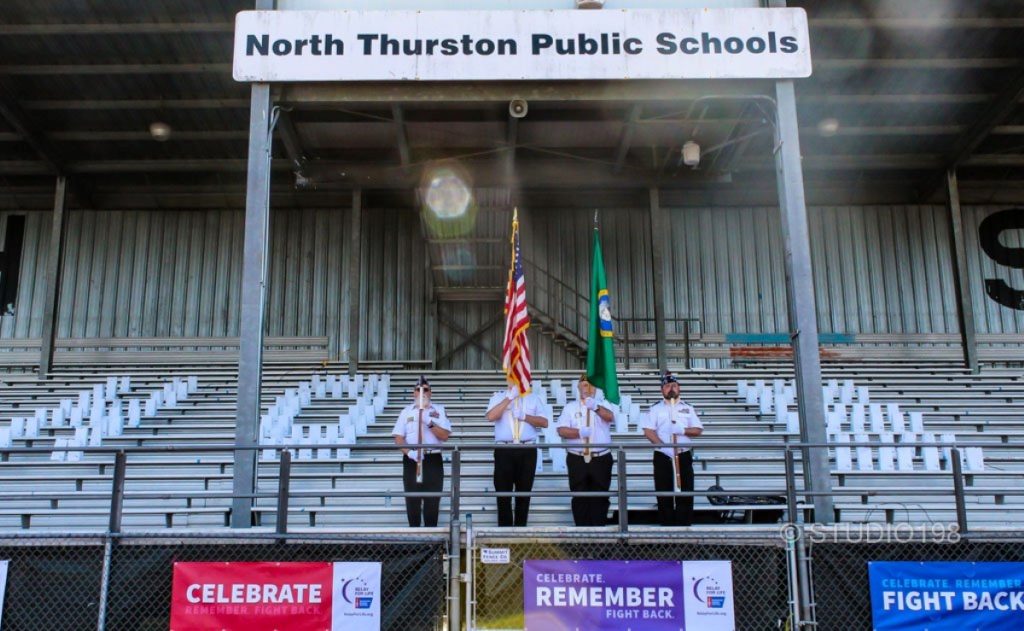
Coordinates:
(433, 481)
(674, 511)
(593, 476)
(514, 470)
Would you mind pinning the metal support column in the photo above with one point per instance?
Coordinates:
(964, 308)
(657, 272)
(53, 272)
(254, 292)
(800, 294)
(354, 267)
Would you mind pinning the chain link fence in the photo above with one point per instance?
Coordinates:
(839, 563)
(57, 583)
(52, 583)
(759, 566)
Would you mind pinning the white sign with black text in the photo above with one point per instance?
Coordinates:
(275, 46)
(495, 556)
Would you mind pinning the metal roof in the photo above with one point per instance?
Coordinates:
(914, 87)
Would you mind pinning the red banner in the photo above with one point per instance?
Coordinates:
(252, 597)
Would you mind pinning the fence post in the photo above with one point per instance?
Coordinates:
(454, 550)
(108, 557)
(117, 492)
(284, 481)
(470, 577)
(620, 482)
(116, 511)
(456, 489)
(790, 486)
(958, 490)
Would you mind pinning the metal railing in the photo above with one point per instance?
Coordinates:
(794, 591)
(798, 500)
(626, 336)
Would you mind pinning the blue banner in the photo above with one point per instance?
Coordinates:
(944, 596)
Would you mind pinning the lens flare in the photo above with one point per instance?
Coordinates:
(449, 202)
(446, 194)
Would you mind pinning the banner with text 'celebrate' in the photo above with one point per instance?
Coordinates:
(271, 596)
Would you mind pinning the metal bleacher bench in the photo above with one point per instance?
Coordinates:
(147, 350)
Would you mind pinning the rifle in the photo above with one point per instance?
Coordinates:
(675, 447)
(419, 439)
(586, 442)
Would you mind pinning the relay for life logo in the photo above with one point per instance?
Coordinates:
(271, 596)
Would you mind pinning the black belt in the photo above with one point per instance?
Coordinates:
(512, 442)
(593, 453)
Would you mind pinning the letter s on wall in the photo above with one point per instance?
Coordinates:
(988, 232)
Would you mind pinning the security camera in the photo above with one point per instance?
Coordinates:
(517, 108)
(589, 4)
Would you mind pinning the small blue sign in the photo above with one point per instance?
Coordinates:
(947, 596)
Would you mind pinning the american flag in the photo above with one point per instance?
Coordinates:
(515, 354)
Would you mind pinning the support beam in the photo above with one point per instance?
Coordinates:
(401, 134)
(406, 92)
(291, 141)
(62, 105)
(254, 291)
(803, 321)
(920, 64)
(511, 140)
(961, 278)
(800, 297)
(658, 227)
(1005, 103)
(962, 150)
(353, 295)
(470, 339)
(54, 264)
(115, 28)
(626, 139)
(11, 112)
(62, 70)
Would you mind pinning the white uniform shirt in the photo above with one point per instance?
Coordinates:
(408, 422)
(503, 426)
(660, 418)
(574, 414)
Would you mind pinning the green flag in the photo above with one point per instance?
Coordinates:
(601, 345)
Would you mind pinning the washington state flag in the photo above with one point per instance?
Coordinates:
(601, 342)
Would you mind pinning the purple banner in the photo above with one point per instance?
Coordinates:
(603, 595)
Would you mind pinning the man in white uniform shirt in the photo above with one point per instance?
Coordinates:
(584, 422)
(672, 424)
(516, 418)
(425, 423)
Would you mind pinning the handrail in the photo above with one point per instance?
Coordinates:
(536, 268)
(627, 343)
(456, 493)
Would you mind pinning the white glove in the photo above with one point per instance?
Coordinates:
(585, 432)
(591, 403)
(521, 414)
(683, 439)
(678, 429)
(512, 393)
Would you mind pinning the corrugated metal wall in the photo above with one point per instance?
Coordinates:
(990, 316)
(173, 274)
(876, 270)
(178, 274)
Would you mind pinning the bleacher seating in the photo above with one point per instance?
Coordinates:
(186, 487)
